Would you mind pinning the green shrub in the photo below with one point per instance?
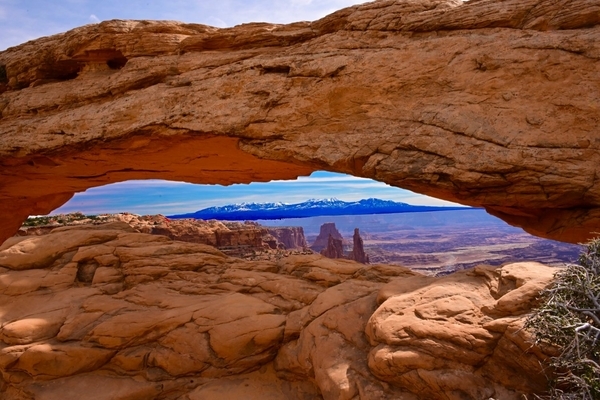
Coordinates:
(36, 221)
(60, 219)
(569, 319)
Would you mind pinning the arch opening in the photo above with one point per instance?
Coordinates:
(422, 233)
(160, 153)
(154, 196)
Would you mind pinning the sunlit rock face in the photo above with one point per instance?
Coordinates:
(106, 312)
(486, 103)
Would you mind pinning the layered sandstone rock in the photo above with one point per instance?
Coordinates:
(334, 249)
(291, 237)
(488, 103)
(224, 235)
(219, 234)
(104, 312)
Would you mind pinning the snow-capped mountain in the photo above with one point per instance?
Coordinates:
(309, 208)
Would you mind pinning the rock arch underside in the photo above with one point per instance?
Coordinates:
(486, 103)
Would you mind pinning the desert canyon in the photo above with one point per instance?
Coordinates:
(490, 103)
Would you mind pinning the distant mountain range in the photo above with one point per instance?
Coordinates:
(310, 208)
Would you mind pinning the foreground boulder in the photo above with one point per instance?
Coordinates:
(487, 103)
(105, 312)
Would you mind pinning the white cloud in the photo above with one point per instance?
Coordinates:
(94, 19)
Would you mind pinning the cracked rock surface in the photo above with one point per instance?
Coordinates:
(105, 312)
(487, 103)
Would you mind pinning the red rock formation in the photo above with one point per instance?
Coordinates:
(335, 244)
(138, 316)
(358, 251)
(220, 234)
(271, 241)
(291, 237)
(213, 233)
(248, 240)
(322, 241)
(334, 249)
(475, 102)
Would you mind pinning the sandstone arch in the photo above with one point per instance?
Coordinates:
(486, 103)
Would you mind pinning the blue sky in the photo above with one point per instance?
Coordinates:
(164, 197)
(23, 20)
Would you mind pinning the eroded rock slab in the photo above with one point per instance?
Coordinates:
(144, 316)
(487, 103)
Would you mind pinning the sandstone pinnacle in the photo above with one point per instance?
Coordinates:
(358, 251)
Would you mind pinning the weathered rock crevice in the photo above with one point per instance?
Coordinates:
(486, 103)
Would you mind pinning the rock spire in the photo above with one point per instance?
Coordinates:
(358, 252)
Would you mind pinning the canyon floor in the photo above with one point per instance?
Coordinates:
(440, 242)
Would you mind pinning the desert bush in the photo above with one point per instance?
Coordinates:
(36, 221)
(60, 219)
(569, 319)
